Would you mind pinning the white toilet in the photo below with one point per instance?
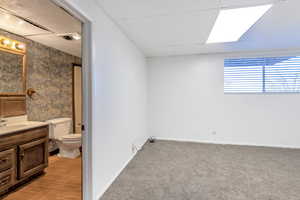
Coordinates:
(68, 143)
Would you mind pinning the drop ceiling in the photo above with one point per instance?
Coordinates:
(181, 27)
(51, 19)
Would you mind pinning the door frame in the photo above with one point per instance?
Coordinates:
(86, 39)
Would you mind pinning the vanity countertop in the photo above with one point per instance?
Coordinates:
(21, 126)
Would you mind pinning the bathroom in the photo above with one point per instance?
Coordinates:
(40, 102)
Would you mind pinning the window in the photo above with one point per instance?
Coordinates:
(262, 75)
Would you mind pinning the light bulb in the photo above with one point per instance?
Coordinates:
(20, 46)
(6, 42)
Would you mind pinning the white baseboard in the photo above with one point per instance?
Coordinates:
(226, 143)
(120, 171)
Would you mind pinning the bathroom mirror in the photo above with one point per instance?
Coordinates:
(12, 73)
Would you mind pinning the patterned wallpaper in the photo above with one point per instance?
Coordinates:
(11, 66)
(49, 72)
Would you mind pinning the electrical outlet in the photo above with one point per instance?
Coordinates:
(214, 132)
(151, 139)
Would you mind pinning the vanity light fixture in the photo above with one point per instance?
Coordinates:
(231, 24)
(12, 45)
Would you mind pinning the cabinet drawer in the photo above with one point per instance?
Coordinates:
(6, 179)
(7, 159)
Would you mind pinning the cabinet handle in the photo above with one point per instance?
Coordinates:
(22, 154)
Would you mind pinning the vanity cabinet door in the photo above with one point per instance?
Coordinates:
(33, 157)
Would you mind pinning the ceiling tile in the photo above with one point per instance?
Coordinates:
(170, 30)
(139, 8)
(244, 3)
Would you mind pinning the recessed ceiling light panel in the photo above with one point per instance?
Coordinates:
(231, 24)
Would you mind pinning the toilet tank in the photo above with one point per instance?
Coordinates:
(59, 127)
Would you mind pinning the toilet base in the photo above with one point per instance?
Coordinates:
(69, 150)
(69, 154)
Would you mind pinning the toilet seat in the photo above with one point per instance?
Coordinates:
(72, 136)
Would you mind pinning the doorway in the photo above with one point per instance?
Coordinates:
(86, 38)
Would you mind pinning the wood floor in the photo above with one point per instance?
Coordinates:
(62, 181)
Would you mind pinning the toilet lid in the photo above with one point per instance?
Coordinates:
(72, 137)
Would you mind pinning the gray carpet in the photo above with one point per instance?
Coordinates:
(190, 171)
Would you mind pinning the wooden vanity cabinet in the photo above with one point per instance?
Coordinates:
(22, 155)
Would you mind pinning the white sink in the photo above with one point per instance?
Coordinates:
(20, 124)
(15, 126)
(10, 128)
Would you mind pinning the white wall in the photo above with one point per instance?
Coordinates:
(186, 102)
(118, 95)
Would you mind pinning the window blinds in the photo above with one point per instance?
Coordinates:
(262, 75)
